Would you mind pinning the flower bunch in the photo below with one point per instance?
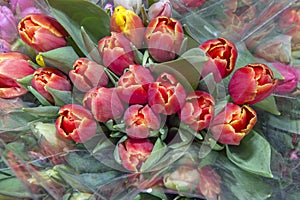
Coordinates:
(129, 100)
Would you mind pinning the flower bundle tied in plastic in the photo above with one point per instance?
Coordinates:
(120, 100)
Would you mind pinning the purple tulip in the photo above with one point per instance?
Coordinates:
(8, 24)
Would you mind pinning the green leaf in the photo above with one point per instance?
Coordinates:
(44, 111)
(13, 188)
(157, 153)
(74, 14)
(268, 104)
(61, 97)
(187, 68)
(61, 58)
(86, 182)
(41, 99)
(91, 47)
(26, 81)
(283, 124)
(85, 163)
(252, 155)
(242, 184)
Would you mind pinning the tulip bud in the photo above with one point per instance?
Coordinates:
(198, 110)
(258, 83)
(21, 4)
(133, 5)
(75, 123)
(183, 6)
(275, 49)
(133, 152)
(222, 58)
(8, 24)
(104, 103)
(166, 31)
(128, 23)
(160, 8)
(87, 74)
(232, 124)
(116, 52)
(41, 32)
(289, 22)
(140, 120)
(13, 66)
(290, 81)
(133, 85)
(166, 95)
(209, 183)
(184, 179)
(4, 46)
(51, 78)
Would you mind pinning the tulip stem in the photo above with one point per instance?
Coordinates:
(112, 76)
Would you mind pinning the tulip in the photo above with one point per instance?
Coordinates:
(160, 8)
(21, 4)
(104, 103)
(166, 95)
(4, 46)
(44, 78)
(222, 58)
(289, 22)
(10, 88)
(290, 81)
(209, 183)
(140, 120)
(257, 84)
(128, 23)
(13, 55)
(8, 24)
(232, 124)
(166, 31)
(133, 5)
(183, 6)
(133, 85)
(184, 179)
(198, 110)
(41, 32)
(87, 74)
(75, 123)
(275, 49)
(13, 66)
(133, 152)
(116, 52)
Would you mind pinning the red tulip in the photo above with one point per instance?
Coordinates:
(232, 124)
(166, 31)
(222, 58)
(75, 123)
(42, 32)
(198, 110)
(140, 120)
(87, 74)
(104, 103)
(251, 84)
(52, 78)
(128, 23)
(133, 152)
(133, 85)
(166, 95)
(13, 66)
(116, 52)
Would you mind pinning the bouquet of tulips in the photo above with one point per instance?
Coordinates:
(166, 99)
